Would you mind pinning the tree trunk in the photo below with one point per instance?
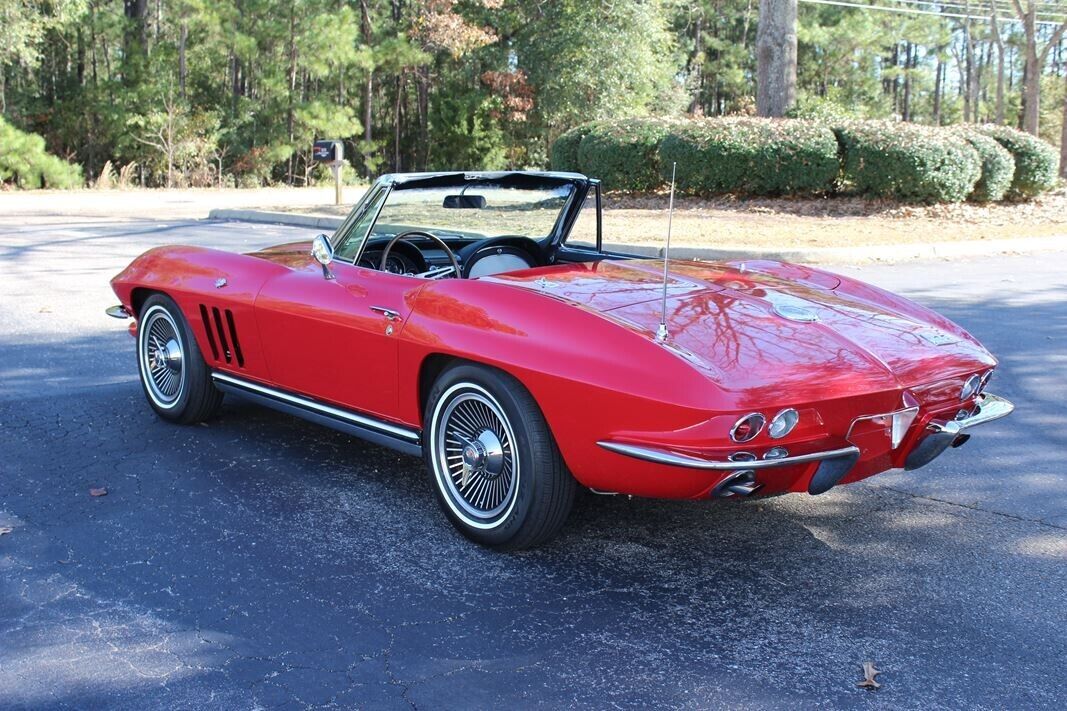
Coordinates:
(396, 123)
(1063, 134)
(994, 23)
(368, 85)
(908, 50)
(183, 39)
(290, 114)
(776, 57)
(968, 71)
(135, 40)
(696, 69)
(939, 72)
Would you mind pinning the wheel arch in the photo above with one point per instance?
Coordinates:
(140, 294)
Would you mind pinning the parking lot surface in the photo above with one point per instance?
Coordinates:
(262, 562)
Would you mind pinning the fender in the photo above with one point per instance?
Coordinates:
(216, 292)
(544, 343)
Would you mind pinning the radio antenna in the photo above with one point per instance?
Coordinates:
(661, 333)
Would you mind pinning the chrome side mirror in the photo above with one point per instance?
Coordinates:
(322, 251)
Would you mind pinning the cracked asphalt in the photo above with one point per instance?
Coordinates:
(262, 562)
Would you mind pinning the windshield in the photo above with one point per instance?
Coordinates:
(476, 209)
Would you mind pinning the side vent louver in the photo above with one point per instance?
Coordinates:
(222, 334)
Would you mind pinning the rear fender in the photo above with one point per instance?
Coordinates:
(592, 377)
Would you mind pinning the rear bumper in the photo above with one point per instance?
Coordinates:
(665, 456)
(833, 465)
(942, 434)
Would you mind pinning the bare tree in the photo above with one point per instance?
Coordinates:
(162, 136)
(1034, 62)
(1063, 135)
(776, 57)
(998, 39)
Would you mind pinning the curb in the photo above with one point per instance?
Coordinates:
(817, 255)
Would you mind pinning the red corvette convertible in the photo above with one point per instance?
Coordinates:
(476, 320)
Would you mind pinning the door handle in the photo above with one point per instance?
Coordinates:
(388, 313)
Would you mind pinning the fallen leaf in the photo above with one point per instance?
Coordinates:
(4, 530)
(98, 492)
(869, 672)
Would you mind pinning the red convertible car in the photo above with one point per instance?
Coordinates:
(476, 320)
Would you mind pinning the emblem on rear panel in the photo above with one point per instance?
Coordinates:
(795, 313)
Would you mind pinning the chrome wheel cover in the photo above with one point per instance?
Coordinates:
(474, 456)
(162, 358)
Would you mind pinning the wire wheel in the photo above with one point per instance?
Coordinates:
(162, 358)
(474, 448)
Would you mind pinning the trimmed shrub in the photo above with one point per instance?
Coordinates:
(751, 156)
(907, 162)
(998, 167)
(624, 154)
(1035, 161)
(564, 152)
(24, 161)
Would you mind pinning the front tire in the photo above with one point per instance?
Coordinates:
(497, 471)
(175, 379)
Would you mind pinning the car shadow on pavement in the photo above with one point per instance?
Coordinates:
(260, 560)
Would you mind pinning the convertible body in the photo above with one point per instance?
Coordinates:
(770, 377)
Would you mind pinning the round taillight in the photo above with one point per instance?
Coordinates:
(783, 423)
(970, 387)
(747, 427)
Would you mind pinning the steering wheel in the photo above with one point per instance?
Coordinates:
(436, 272)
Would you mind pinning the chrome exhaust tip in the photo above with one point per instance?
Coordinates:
(742, 483)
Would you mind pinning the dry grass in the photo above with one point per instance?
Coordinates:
(831, 222)
(723, 222)
(828, 222)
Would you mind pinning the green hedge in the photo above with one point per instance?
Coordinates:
(998, 167)
(751, 156)
(564, 153)
(623, 154)
(1035, 161)
(907, 162)
(24, 162)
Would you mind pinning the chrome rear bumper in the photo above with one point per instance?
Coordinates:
(951, 433)
(834, 463)
(665, 456)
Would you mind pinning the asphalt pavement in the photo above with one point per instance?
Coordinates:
(262, 562)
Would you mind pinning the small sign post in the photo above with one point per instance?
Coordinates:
(332, 153)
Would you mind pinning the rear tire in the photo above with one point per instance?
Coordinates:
(175, 379)
(497, 471)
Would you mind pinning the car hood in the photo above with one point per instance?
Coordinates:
(292, 254)
(764, 326)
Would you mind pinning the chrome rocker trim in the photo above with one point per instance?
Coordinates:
(365, 427)
(663, 456)
(950, 433)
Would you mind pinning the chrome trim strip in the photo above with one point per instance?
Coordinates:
(360, 420)
(117, 311)
(989, 407)
(663, 456)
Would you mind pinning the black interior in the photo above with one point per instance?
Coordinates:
(416, 254)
